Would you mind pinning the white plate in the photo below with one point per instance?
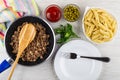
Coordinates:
(81, 68)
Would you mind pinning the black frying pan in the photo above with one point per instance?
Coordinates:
(31, 19)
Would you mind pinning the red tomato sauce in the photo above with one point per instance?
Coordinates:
(53, 13)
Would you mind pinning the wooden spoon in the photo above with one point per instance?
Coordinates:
(26, 36)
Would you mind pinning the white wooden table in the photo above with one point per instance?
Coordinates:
(45, 71)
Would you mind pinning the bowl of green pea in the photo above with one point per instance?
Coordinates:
(71, 12)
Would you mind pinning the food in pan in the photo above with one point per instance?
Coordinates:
(37, 48)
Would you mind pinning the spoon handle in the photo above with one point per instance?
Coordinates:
(13, 67)
(103, 59)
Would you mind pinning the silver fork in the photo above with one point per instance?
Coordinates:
(75, 56)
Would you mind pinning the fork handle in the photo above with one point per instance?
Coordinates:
(103, 59)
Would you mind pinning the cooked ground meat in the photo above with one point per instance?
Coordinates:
(37, 48)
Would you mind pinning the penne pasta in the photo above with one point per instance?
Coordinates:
(96, 15)
(99, 25)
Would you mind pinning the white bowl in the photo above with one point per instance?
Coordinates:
(86, 10)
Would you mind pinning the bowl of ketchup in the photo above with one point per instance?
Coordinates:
(53, 13)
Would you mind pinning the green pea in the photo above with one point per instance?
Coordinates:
(71, 12)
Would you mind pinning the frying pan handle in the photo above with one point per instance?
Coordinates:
(5, 64)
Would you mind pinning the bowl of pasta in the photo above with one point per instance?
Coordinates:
(98, 25)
